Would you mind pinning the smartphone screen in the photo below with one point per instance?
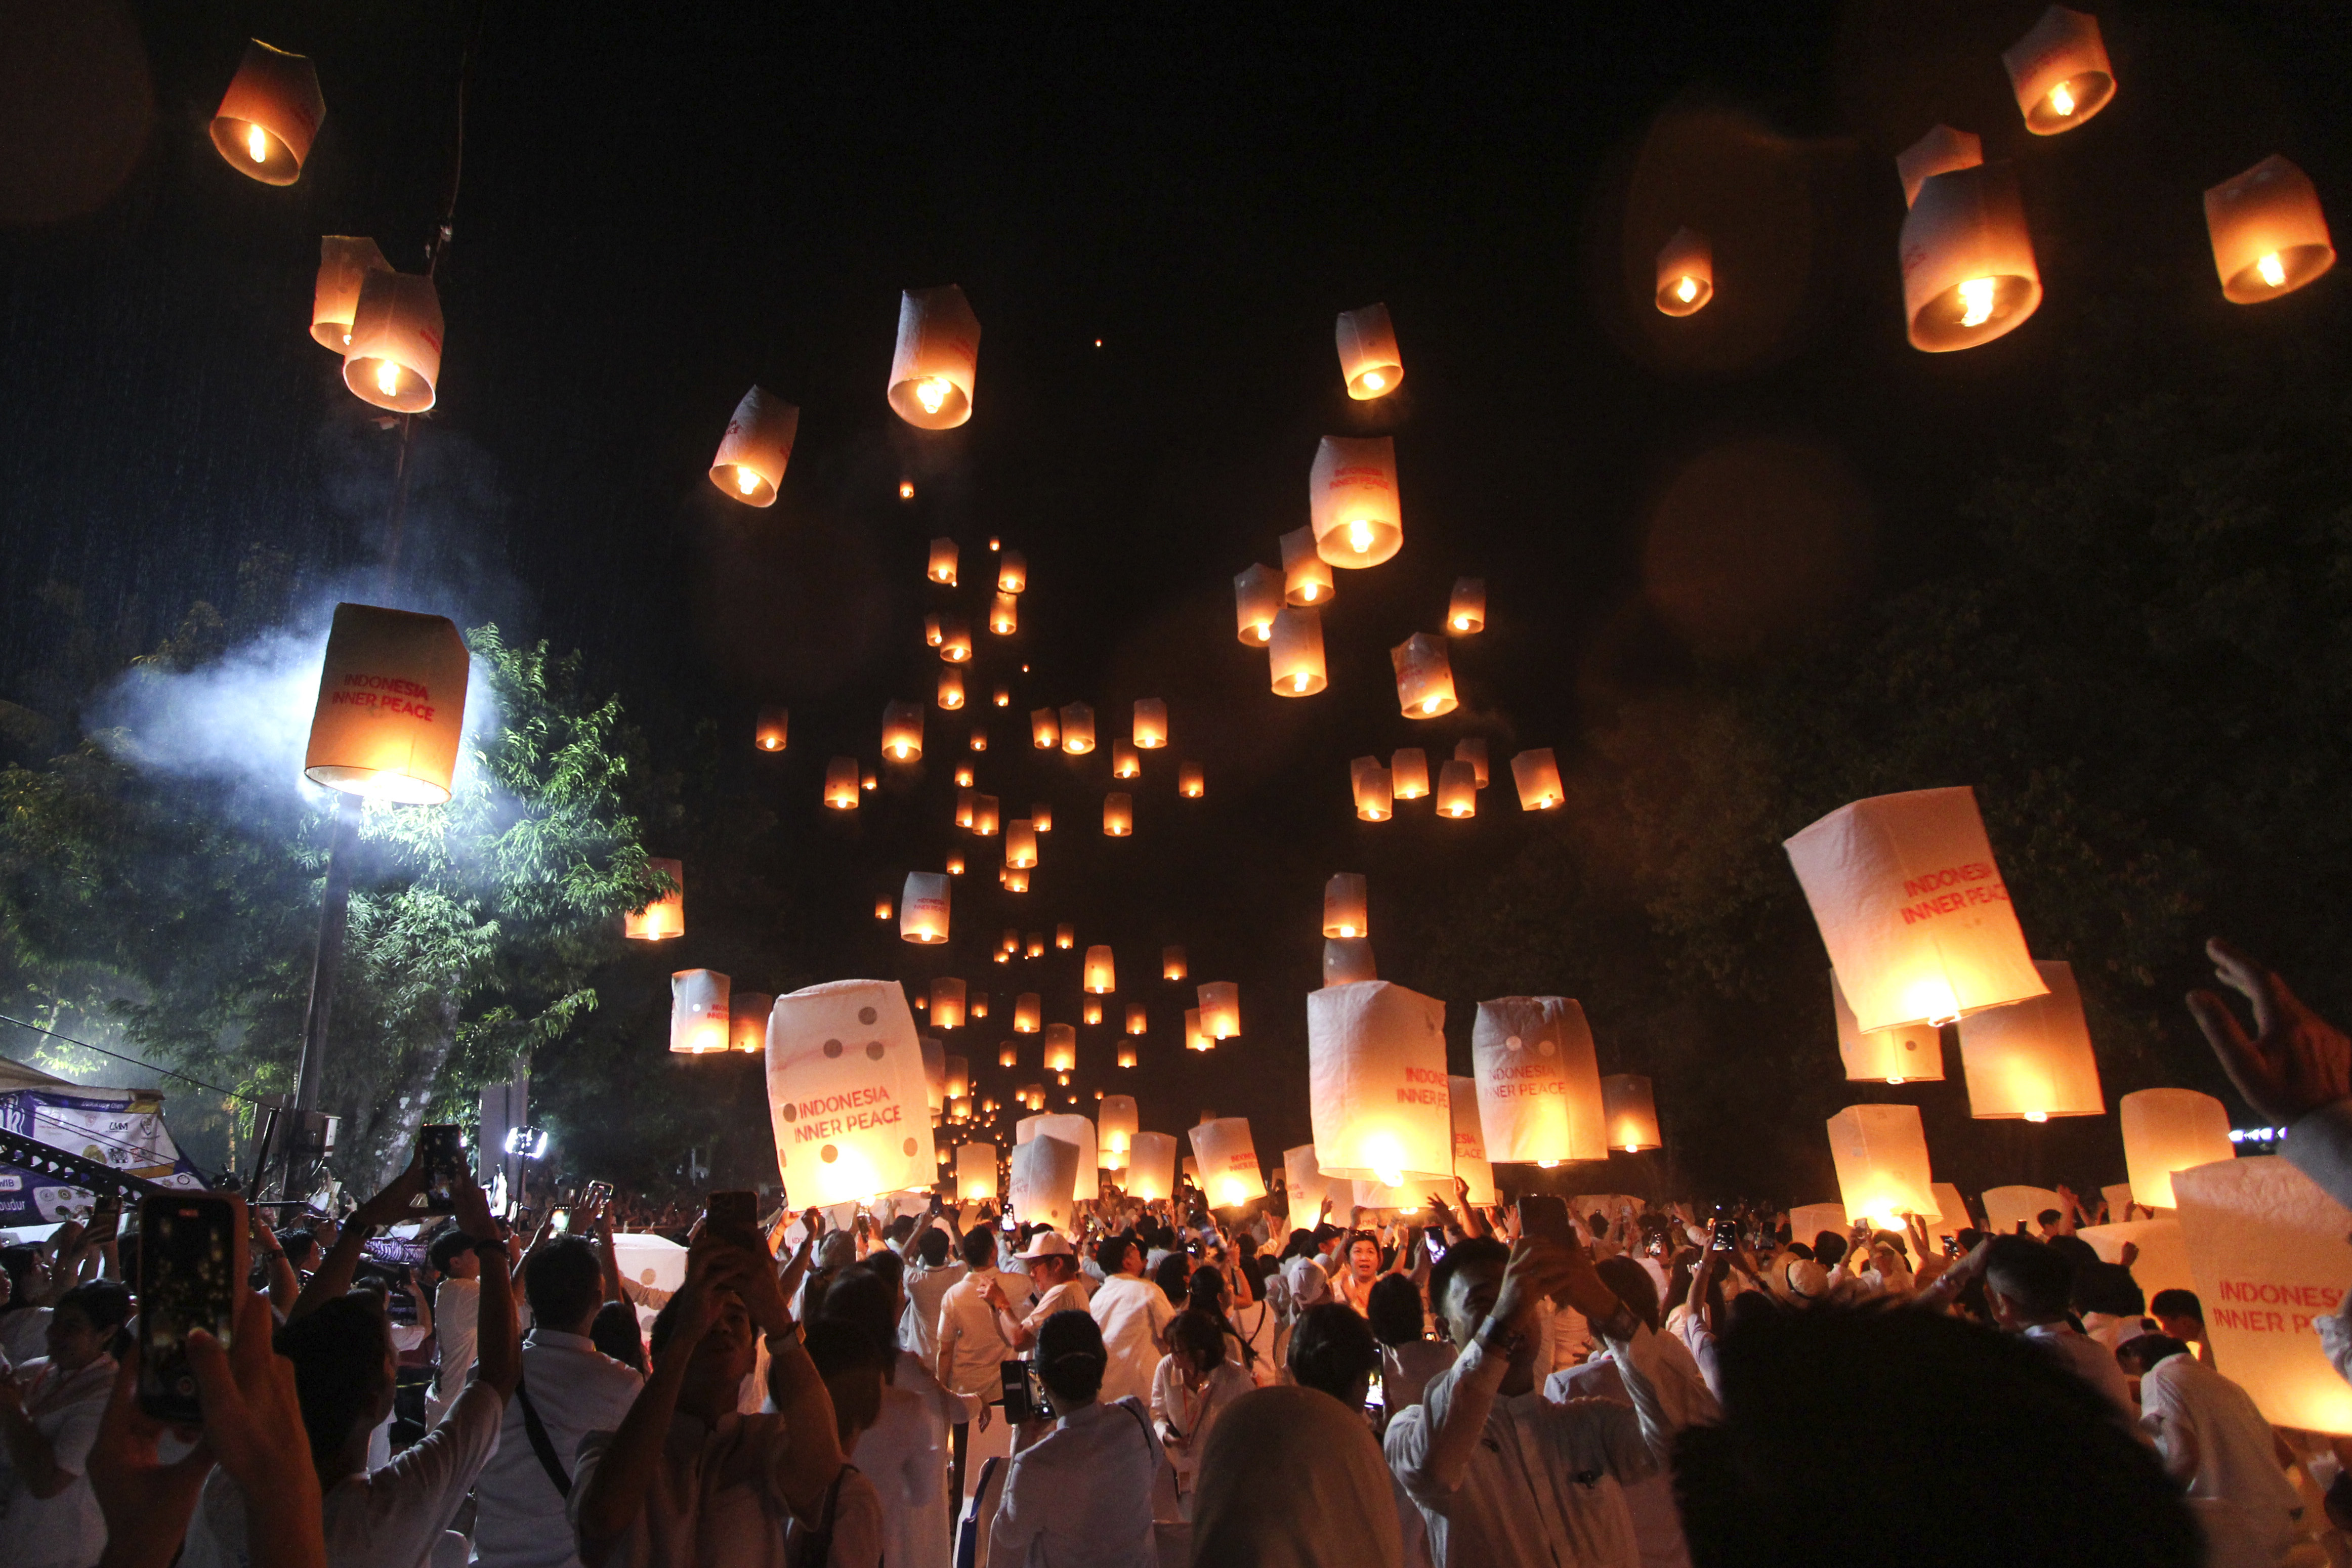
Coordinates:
(559, 1221)
(599, 1192)
(187, 1280)
(1727, 1235)
(105, 1218)
(442, 1145)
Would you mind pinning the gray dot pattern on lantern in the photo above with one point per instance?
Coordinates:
(832, 1048)
(874, 1050)
(866, 1015)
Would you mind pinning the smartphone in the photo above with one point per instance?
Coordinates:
(732, 1217)
(1544, 1216)
(441, 1150)
(105, 1219)
(187, 1280)
(598, 1194)
(1727, 1236)
(1433, 1241)
(559, 1221)
(1008, 1224)
(1024, 1396)
(1951, 1245)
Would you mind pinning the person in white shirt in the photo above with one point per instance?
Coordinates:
(2027, 1285)
(973, 1344)
(1133, 1315)
(1191, 1388)
(2215, 1442)
(50, 1412)
(934, 1269)
(570, 1389)
(1053, 1271)
(1078, 1495)
(457, 1307)
(1409, 1358)
(1307, 1269)
(903, 1452)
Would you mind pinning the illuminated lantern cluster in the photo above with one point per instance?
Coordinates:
(772, 730)
(2170, 1130)
(1968, 274)
(1686, 279)
(1536, 777)
(1306, 576)
(1881, 1154)
(2269, 235)
(270, 114)
(1351, 500)
(345, 262)
(1368, 361)
(1424, 676)
(1257, 598)
(750, 463)
(1345, 906)
(1296, 654)
(391, 708)
(1538, 1082)
(1377, 1082)
(2059, 71)
(937, 355)
(698, 1019)
(1629, 1113)
(2034, 1059)
(943, 567)
(1226, 1158)
(923, 907)
(1910, 1053)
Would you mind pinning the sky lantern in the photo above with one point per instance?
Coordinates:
(1041, 817)
(1036, 945)
(847, 1093)
(935, 1073)
(1911, 1053)
(934, 630)
(1912, 909)
(391, 708)
(772, 730)
(983, 816)
(954, 865)
(1150, 725)
(1306, 576)
(393, 360)
(923, 907)
(1117, 1126)
(1079, 1133)
(1027, 1012)
(1472, 750)
(1101, 974)
(1368, 361)
(1470, 1161)
(345, 262)
(1881, 1153)
(1424, 676)
(979, 738)
(966, 798)
(942, 567)
(1351, 500)
(1003, 696)
(1045, 729)
(1367, 782)
(1228, 1159)
(937, 355)
(1629, 1113)
(1538, 1082)
(1015, 878)
(1345, 906)
(2033, 1058)
(1190, 781)
(1257, 594)
(1136, 1020)
(1077, 728)
(750, 464)
(269, 115)
(975, 1173)
(1376, 1082)
(978, 1007)
(1457, 791)
(1303, 1184)
(902, 731)
(1465, 610)
(747, 1020)
(1348, 959)
(1127, 1057)
(1151, 1167)
(1020, 844)
(698, 1015)
(1004, 614)
(2265, 1247)
(1968, 275)
(881, 909)
(1409, 772)
(1536, 776)
(1091, 1013)
(1118, 815)
(1220, 1009)
(1296, 653)
(2269, 236)
(2059, 71)
(946, 1002)
(1686, 279)
(869, 780)
(1066, 936)
(1008, 1055)
(958, 1080)
(2168, 1130)
(1125, 763)
(1195, 1037)
(1171, 963)
(1061, 1048)
(955, 640)
(951, 686)
(1011, 572)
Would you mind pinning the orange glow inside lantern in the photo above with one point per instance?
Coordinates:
(1077, 728)
(2059, 71)
(934, 630)
(2270, 237)
(2170, 1130)
(979, 738)
(1045, 729)
(1003, 696)
(1296, 656)
(937, 354)
(345, 262)
(978, 1007)
(983, 816)
(1101, 974)
(942, 567)
(1015, 878)
(394, 357)
(1369, 782)
(964, 782)
(1352, 499)
(2032, 1059)
(698, 1018)
(1020, 844)
(750, 463)
(1127, 1056)
(1136, 1021)
(869, 780)
(269, 115)
(1195, 1037)
(1028, 1012)
(955, 865)
(1124, 761)
(1190, 782)
(1061, 1048)
(1171, 963)
(965, 808)
(923, 907)
(902, 731)
(1151, 728)
(1257, 595)
(1881, 1154)
(955, 640)
(1066, 935)
(1347, 905)
(1004, 615)
(772, 730)
(1011, 572)
(951, 686)
(1685, 277)
(1007, 1055)
(1537, 775)
(946, 1002)
(959, 1077)
(1424, 676)
(1368, 361)
(1457, 791)
(1629, 1113)
(1227, 1160)
(1091, 1011)
(1118, 815)
(1036, 945)
(665, 916)
(1306, 578)
(1409, 772)
(747, 1015)
(1472, 750)
(881, 909)
(391, 706)
(1465, 610)
(1220, 1009)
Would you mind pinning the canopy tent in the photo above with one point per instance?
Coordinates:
(122, 1128)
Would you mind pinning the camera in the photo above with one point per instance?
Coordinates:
(1024, 1394)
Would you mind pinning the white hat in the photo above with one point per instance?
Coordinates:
(1047, 1244)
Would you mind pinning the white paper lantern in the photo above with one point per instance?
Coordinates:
(1227, 1160)
(698, 1019)
(1020, 844)
(1307, 581)
(1539, 1081)
(1118, 1125)
(1045, 1182)
(932, 371)
(1045, 729)
(1969, 273)
(1077, 728)
(2059, 71)
(1348, 959)
(393, 360)
(1220, 1009)
(2267, 1245)
(1171, 963)
(1377, 1084)
(1151, 1166)
(1303, 1181)
(947, 1005)
(1881, 1154)
(958, 1071)
(269, 115)
(1808, 1220)
(1629, 1113)
(345, 262)
(1101, 975)
(1079, 1133)
(2034, 1059)
(2162, 1263)
(923, 907)
(1412, 1196)
(1465, 609)
(2270, 237)
(1535, 775)
(847, 1093)
(1257, 598)
(1470, 1161)
(1012, 570)
(976, 1176)
(1911, 1054)
(2168, 1130)
(1913, 910)
(750, 463)
(1151, 724)
(1424, 676)
(2007, 1208)
(391, 706)
(1345, 906)
(1368, 781)
(1061, 1052)
(1351, 500)
(1409, 772)
(1368, 361)
(1685, 274)
(1295, 657)
(665, 916)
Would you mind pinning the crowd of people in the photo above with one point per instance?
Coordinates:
(1150, 1384)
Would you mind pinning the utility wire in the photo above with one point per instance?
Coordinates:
(167, 1071)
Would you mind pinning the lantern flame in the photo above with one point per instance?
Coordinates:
(1429, 705)
(1686, 290)
(1299, 681)
(1632, 1148)
(1375, 381)
(387, 377)
(1266, 628)
(1462, 623)
(256, 143)
(1359, 536)
(2061, 99)
(906, 489)
(2037, 1115)
(746, 481)
(1976, 301)
(1547, 1164)
(931, 393)
(1307, 593)
(2272, 272)
(1390, 1178)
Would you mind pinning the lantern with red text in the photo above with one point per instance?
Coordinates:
(2059, 71)
(1101, 974)
(1424, 676)
(270, 114)
(1061, 1048)
(1465, 612)
(1296, 654)
(1118, 815)
(1348, 959)
(1077, 728)
(1968, 274)
(1220, 1009)
(1368, 361)
(1027, 1012)
(2264, 1238)
(975, 1168)
(1368, 781)
(937, 355)
(2269, 236)
(773, 728)
(393, 360)
(1257, 595)
(923, 907)
(1536, 777)
(1151, 1167)
(1171, 963)
(1457, 791)
(1537, 1080)
(345, 262)
(902, 731)
(1345, 906)
(1351, 500)
(391, 708)
(750, 464)
(1409, 773)
(1471, 1166)
(1686, 275)
(1376, 1082)
(1228, 1159)
(1881, 1153)
(1910, 1053)
(1305, 1186)
(2034, 1059)
(946, 1002)
(747, 1020)
(2168, 1130)
(1629, 1113)
(699, 1019)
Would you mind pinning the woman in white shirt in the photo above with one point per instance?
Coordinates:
(48, 1515)
(1193, 1384)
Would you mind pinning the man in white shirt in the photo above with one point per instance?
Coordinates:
(973, 1344)
(1133, 1315)
(568, 1389)
(1310, 1276)
(1054, 1270)
(2218, 1446)
(457, 1307)
(1078, 1496)
(2027, 1285)
(934, 1269)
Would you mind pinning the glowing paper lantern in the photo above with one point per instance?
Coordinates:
(937, 354)
(2269, 236)
(2034, 1059)
(983, 816)
(1227, 1161)
(1881, 1153)
(869, 779)
(1189, 781)
(975, 1173)
(1346, 906)
(1195, 1037)
(935, 1073)
(1091, 1013)
(966, 804)
(1304, 1183)
(268, 117)
(2168, 1130)
(1044, 1182)
(2162, 1263)
(1296, 654)
(845, 1094)
(1041, 817)
(391, 708)
(1472, 750)
(1101, 975)
(1351, 500)
(345, 262)
(1424, 676)
(1036, 945)
(979, 738)
(1628, 1113)
(1027, 1010)
(1116, 1123)
(394, 357)
(1376, 1082)
(1135, 1020)
(2007, 1208)
(881, 909)
(1079, 1133)
(1151, 1167)
(1536, 776)
(1369, 782)
(1220, 1009)
(1466, 613)
(1066, 936)
(1942, 150)
(1077, 728)
(1470, 1161)
(955, 640)
(934, 630)
(1061, 1048)
(1306, 576)
(902, 731)
(747, 1020)
(942, 567)
(1537, 1080)
(770, 733)
(1045, 729)
(1368, 361)
(1015, 879)
(699, 1019)
(946, 1002)
(1409, 772)
(978, 1007)
(1685, 278)
(958, 1071)
(1257, 595)
(1348, 959)
(951, 686)
(1171, 963)
(1020, 844)
(2059, 71)
(1004, 615)
(1118, 815)
(1011, 571)
(1124, 762)
(1457, 791)
(1007, 1055)
(1912, 1053)
(923, 907)
(1912, 909)
(1968, 274)
(2267, 1246)
(750, 463)
(1127, 1056)
(1004, 697)
(1151, 724)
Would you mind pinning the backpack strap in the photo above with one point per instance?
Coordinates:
(541, 1443)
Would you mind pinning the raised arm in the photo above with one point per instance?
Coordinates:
(498, 1344)
(609, 1504)
(386, 1207)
